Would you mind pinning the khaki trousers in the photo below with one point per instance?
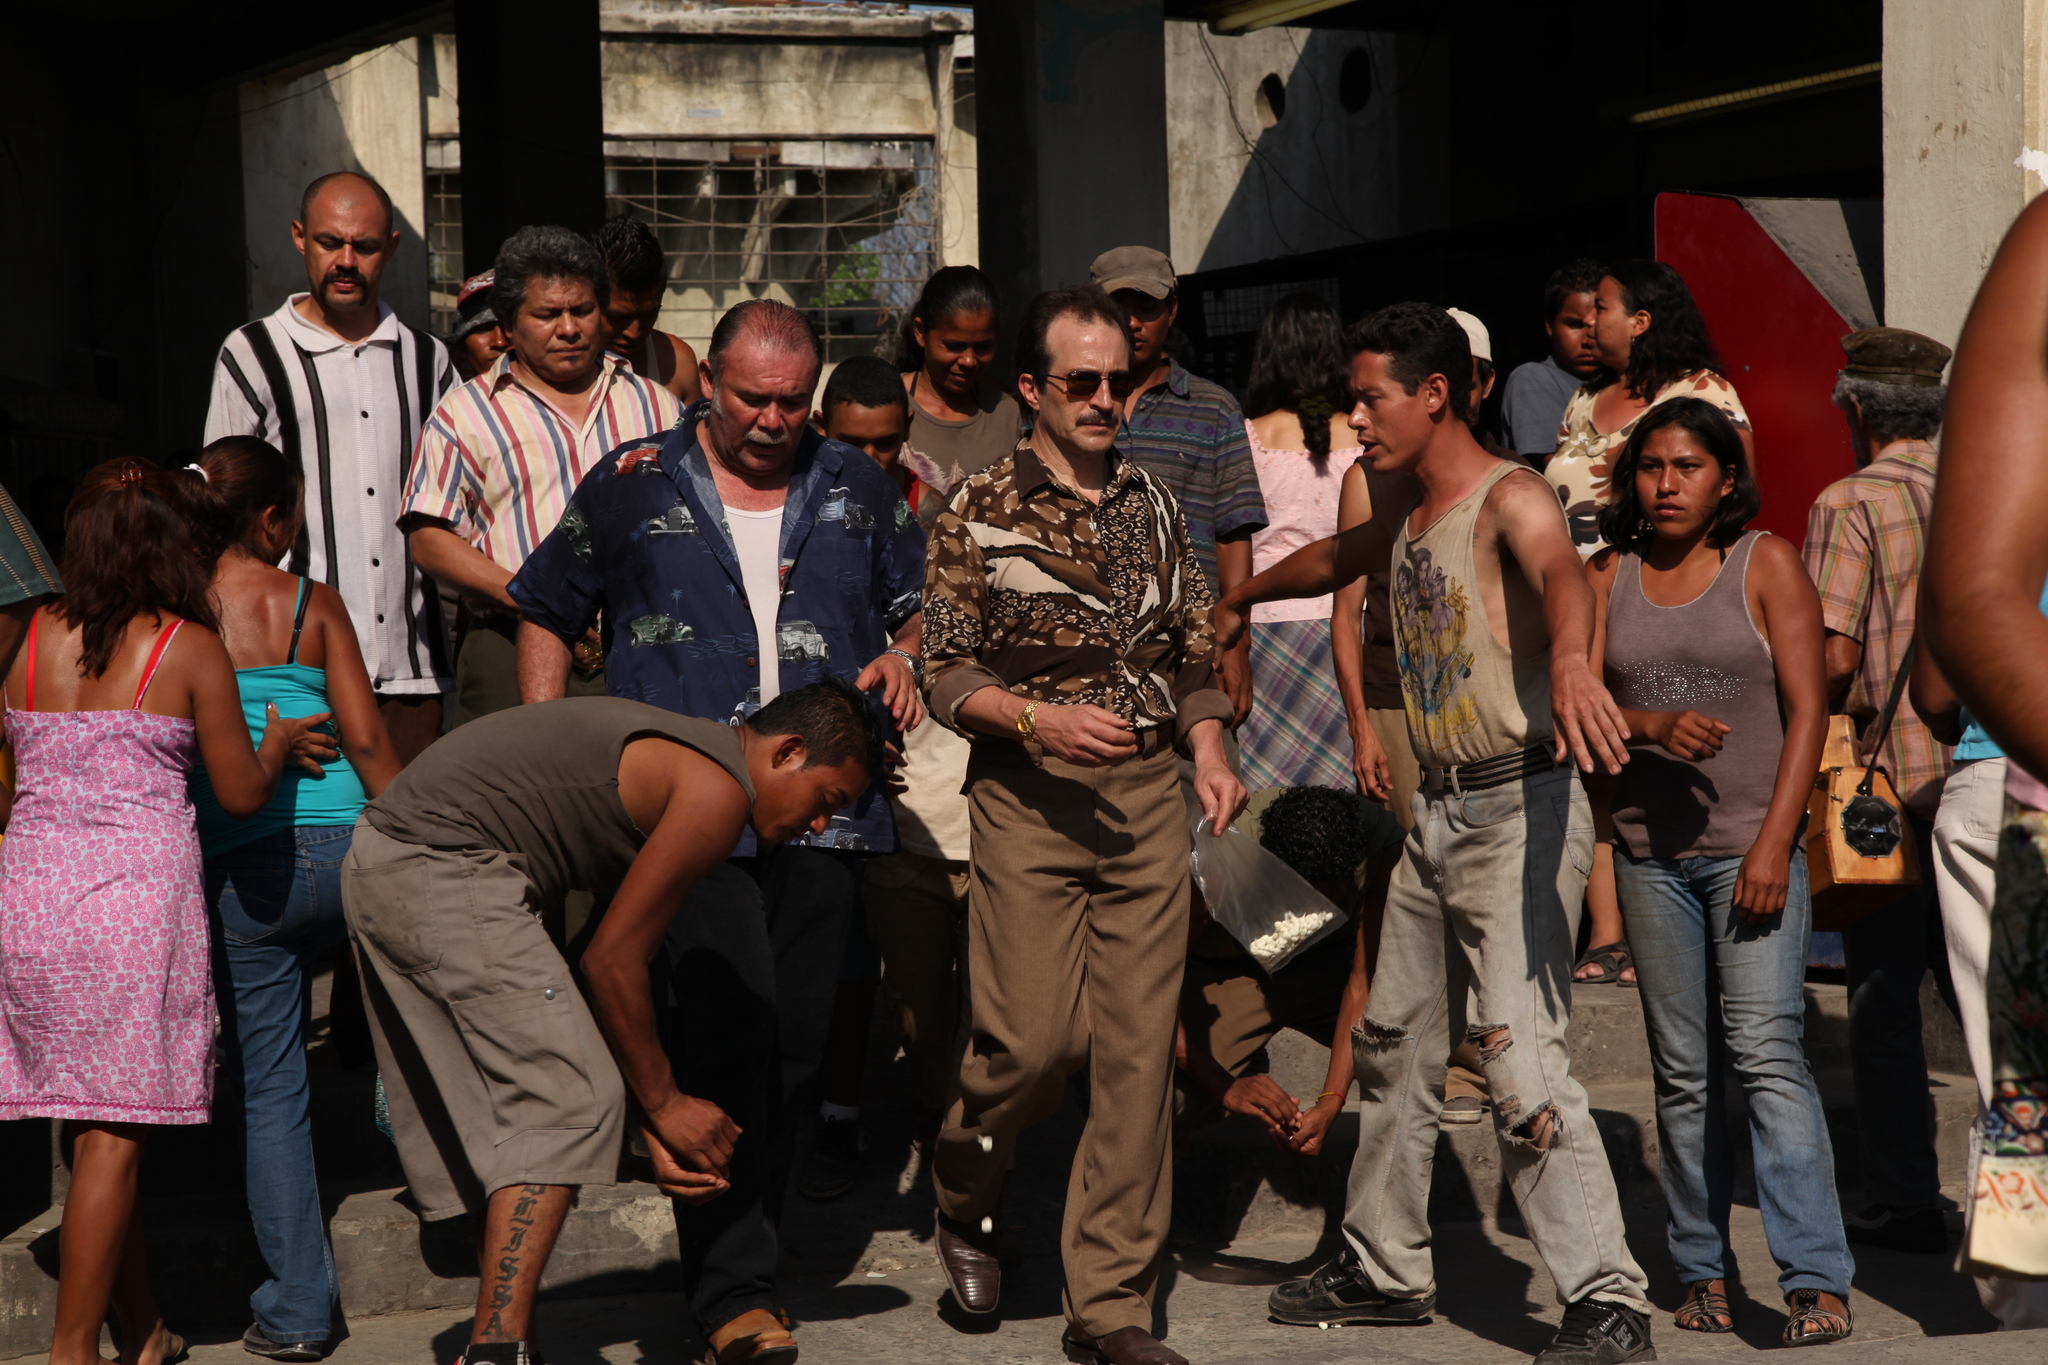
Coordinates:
(1077, 914)
(916, 914)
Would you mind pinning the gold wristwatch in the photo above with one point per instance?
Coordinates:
(1027, 720)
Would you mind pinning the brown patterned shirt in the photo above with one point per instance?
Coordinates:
(1030, 589)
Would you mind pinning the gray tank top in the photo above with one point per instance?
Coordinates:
(1705, 656)
(541, 782)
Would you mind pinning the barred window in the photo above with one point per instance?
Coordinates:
(444, 232)
(844, 230)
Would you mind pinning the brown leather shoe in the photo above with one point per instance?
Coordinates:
(968, 1256)
(756, 1337)
(1125, 1346)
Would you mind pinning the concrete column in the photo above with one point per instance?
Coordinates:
(532, 119)
(1963, 107)
(1070, 102)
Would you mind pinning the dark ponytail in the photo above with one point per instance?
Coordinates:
(948, 293)
(240, 478)
(1300, 364)
(129, 549)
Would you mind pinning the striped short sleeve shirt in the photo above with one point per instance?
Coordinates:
(1189, 434)
(498, 462)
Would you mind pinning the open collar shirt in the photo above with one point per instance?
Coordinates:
(1031, 589)
(645, 542)
(1866, 538)
(498, 462)
(349, 416)
(1189, 434)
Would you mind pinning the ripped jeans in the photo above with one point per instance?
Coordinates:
(1485, 906)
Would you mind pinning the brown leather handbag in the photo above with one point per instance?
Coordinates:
(1860, 855)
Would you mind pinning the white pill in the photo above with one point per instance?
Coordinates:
(988, 1144)
(988, 1224)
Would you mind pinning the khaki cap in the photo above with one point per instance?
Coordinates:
(1893, 355)
(1475, 333)
(1134, 267)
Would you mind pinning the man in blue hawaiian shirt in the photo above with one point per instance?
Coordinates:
(738, 556)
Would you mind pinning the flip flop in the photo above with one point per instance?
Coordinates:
(1611, 958)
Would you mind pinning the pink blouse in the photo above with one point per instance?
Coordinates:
(1301, 508)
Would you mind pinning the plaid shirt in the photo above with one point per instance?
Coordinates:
(1030, 589)
(1865, 540)
(1189, 434)
(498, 462)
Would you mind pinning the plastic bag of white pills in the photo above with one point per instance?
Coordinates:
(1259, 900)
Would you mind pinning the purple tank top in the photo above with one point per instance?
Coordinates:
(1705, 656)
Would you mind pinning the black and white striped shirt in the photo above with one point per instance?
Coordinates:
(349, 413)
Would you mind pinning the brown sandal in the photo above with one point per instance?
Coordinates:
(1703, 1310)
(1813, 1325)
(757, 1337)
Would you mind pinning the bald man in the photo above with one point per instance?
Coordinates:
(334, 380)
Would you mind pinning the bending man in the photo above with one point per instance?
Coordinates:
(503, 1090)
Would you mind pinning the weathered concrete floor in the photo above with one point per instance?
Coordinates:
(1496, 1307)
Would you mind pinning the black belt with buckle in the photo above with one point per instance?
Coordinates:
(1498, 771)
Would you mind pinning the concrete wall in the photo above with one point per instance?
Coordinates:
(1963, 92)
(359, 115)
(1243, 188)
(958, 155)
(765, 89)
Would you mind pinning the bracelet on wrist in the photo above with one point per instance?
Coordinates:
(1326, 1095)
(916, 664)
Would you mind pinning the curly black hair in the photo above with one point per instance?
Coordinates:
(1676, 342)
(1320, 832)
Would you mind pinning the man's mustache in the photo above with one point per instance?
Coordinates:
(343, 272)
(757, 437)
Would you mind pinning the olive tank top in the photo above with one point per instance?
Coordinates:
(541, 782)
(1705, 656)
(1468, 696)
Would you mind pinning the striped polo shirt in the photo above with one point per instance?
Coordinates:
(498, 462)
(348, 414)
(1189, 434)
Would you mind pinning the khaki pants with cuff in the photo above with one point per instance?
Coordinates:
(494, 1070)
(1077, 931)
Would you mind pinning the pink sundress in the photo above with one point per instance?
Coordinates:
(106, 1002)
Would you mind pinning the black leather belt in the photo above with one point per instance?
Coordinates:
(1497, 771)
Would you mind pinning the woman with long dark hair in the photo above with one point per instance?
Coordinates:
(273, 880)
(1653, 347)
(1296, 408)
(960, 418)
(121, 687)
(1710, 637)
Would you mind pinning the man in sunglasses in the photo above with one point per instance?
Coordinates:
(1189, 434)
(1067, 637)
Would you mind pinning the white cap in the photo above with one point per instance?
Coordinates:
(1475, 332)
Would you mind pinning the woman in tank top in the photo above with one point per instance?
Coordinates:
(273, 880)
(1297, 408)
(1710, 638)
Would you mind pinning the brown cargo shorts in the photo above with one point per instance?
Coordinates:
(494, 1070)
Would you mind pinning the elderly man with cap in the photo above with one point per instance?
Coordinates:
(1865, 539)
(476, 340)
(1189, 434)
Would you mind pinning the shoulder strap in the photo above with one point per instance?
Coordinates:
(1876, 739)
(29, 691)
(299, 618)
(156, 656)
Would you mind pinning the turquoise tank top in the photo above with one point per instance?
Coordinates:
(301, 798)
(1975, 744)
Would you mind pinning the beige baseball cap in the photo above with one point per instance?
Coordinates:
(1475, 332)
(1134, 267)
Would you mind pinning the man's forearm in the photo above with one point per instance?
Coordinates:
(543, 664)
(1568, 605)
(1310, 571)
(992, 711)
(909, 636)
(458, 564)
(1205, 742)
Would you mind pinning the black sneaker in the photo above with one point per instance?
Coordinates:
(834, 1163)
(1338, 1294)
(1596, 1332)
(257, 1343)
(1922, 1231)
(499, 1353)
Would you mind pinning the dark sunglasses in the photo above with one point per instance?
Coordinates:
(1087, 383)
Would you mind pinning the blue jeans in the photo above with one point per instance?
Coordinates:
(1717, 992)
(275, 903)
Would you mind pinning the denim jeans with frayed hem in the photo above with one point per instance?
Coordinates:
(1720, 994)
(1484, 907)
(276, 904)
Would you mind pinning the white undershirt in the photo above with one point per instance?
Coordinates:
(757, 540)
